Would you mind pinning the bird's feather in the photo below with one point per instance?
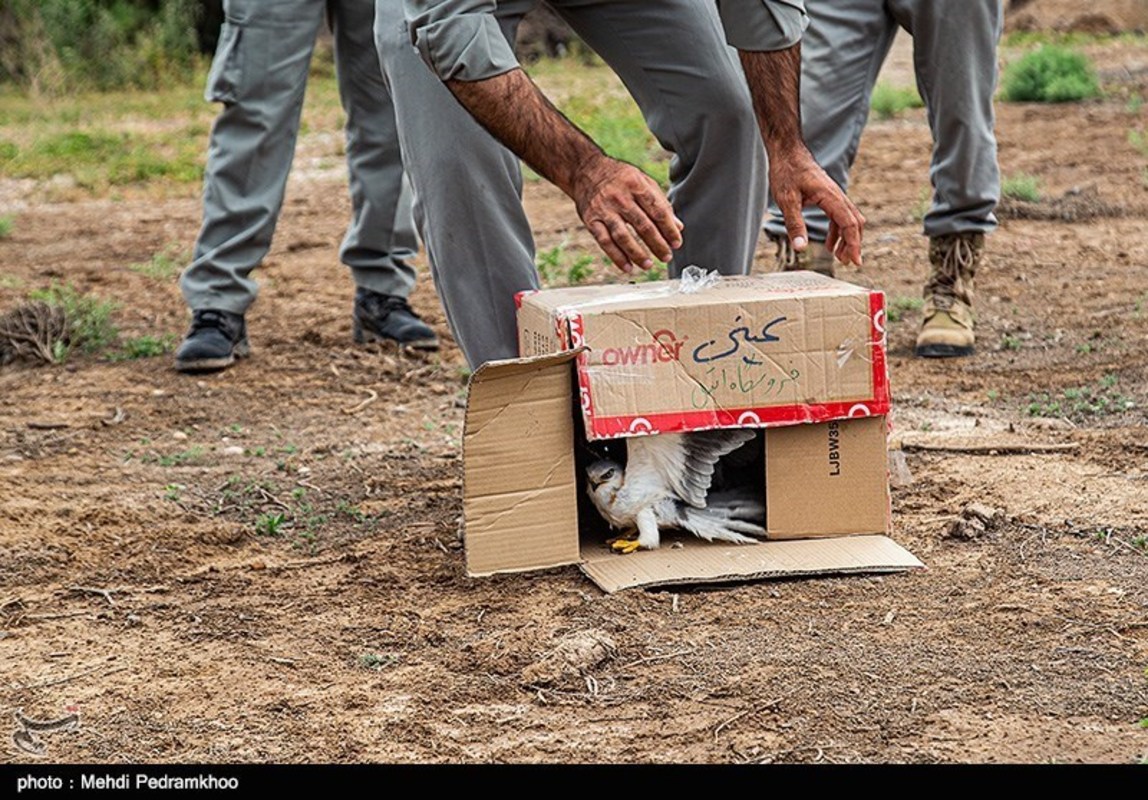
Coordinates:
(684, 462)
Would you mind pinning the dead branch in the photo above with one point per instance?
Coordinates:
(991, 449)
(68, 678)
(651, 659)
(359, 407)
(104, 593)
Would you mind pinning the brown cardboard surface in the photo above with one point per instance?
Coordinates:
(520, 501)
(774, 349)
(828, 479)
(701, 562)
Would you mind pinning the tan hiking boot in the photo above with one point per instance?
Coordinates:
(815, 257)
(947, 329)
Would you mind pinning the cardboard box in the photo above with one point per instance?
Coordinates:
(760, 350)
(826, 485)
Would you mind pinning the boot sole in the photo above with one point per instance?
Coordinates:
(241, 350)
(363, 336)
(944, 351)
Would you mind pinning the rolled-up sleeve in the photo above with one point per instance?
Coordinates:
(763, 25)
(459, 39)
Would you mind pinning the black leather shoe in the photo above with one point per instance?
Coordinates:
(215, 340)
(387, 318)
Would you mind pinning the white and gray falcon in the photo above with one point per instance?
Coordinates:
(666, 484)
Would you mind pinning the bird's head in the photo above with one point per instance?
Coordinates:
(603, 473)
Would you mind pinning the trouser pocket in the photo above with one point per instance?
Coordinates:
(225, 79)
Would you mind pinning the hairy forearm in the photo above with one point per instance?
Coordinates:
(512, 108)
(774, 80)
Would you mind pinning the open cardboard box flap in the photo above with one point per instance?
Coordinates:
(521, 499)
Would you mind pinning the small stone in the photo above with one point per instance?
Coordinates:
(988, 515)
(899, 474)
(179, 436)
(234, 450)
(967, 529)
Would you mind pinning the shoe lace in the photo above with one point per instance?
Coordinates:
(394, 303)
(958, 259)
(209, 318)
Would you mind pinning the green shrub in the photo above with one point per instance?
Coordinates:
(89, 319)
(1050, 74)
(889, 101)
(65, 45)
(1021, 187)
(6, 225)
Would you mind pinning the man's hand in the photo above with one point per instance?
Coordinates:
(624, 208)
(797, 181)
(627, 213)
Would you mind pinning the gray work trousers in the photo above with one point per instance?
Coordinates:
(260, 73)
(673, 59)
(955, 60)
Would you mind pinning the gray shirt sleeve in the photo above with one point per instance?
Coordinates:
(763, 25)
(462, 39)
(459, 38)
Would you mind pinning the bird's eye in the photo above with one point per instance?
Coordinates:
(608, 474)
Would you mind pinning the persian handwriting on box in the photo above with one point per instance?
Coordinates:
(706, 352)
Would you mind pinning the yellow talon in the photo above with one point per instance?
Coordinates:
(623, 545)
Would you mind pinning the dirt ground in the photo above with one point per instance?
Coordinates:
(145, 582)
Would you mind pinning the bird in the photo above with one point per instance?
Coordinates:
(666, 484)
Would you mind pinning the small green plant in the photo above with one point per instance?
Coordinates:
(896, 309)
(1139, 140)
(1081, 402)
(191, 455)
(6, 225)
(581, 270)
(1049, 74)
(172, 492)
(548, 262)
(1134, 104)
(889, 101)
(1022, 186)
(89, 324)
(923, 204)
(1140, 543)
(377, 661)
(557, 267)
(144, 347)
(1010, 342)
(164, 265)
(993, 395)
(347, 509)
(654, 273)
(270, 524)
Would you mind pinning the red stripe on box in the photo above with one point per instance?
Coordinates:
(877, 331)
(768, 417)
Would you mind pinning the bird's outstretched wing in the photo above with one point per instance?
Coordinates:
(683, 462)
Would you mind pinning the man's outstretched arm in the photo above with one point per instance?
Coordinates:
(796, 180)
(622, 207)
